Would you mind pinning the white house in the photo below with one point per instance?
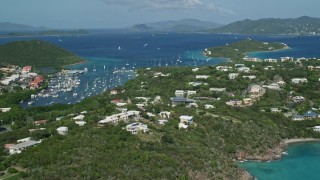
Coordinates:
(179, 93)
(208, 106)
(250, 77)
(255, 89)
(134, 128)
(164, 114)
(80, 123)
(275, 110)
(269, 68)
(162, 121)
(141, 106)
(252, 59)
(283, 59)
(186, 119)
(223, 68)
(273, 86)
(299, 80)
(197, 83)
(113, 92)
(281, 83)
(133, 113)
(244, 69)
(121, 104)
(271, 60)
(239, 65)
(195, 69)
(298, 99)
(234, 102)
(5, 109)
(183, 126)
(191, 93)
(79, 117)
(233, 75)
(10, 79)
(17, 148)
(24, 140)
(316, 128)
(62, 130)
(202, 76)
(150, 114)
(217, 89)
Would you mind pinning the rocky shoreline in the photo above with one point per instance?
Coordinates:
(273, 154)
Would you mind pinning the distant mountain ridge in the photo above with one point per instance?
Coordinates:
(180, 25)
(7, 26)
(293, 26)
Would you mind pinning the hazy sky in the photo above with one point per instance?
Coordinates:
(122, 13)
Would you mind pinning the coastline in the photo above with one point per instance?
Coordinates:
(48, 35)
(81, 62)
(286, 47)
(282, 49)
(277, 152)
(273, 154)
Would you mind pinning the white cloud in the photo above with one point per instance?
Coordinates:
(169, 5)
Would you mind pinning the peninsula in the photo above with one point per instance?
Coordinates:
(237, 51)
(36, 53)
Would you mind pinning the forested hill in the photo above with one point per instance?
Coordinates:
(36, 53)
(300, 26)
(238, 49)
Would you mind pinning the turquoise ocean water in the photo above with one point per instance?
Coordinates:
(302, 162)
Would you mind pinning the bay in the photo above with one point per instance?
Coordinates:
(108, 50)
(302, 162)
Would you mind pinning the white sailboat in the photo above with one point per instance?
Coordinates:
(104, 67)
(94, 68)
(119, 48)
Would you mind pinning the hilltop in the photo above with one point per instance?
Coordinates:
(36, 53)
(272, 26)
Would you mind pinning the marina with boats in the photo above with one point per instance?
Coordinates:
(72, 86)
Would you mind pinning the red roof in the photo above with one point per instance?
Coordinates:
(117, 101)
(37, 80)
(8, 146)
(40, 122)
(27, 68)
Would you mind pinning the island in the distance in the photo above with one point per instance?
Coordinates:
(238, 50)
(45, 33)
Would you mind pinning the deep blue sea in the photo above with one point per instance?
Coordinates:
(115, 49)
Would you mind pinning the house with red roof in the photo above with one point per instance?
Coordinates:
(26, 69)
(36, 82)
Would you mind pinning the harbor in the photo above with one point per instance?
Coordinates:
(72, 86)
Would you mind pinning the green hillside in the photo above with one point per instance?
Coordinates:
(36, 53)
(299, 26)
(206, 150)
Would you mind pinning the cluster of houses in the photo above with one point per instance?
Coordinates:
(24, 77)
(21, 145)
(271, 60)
